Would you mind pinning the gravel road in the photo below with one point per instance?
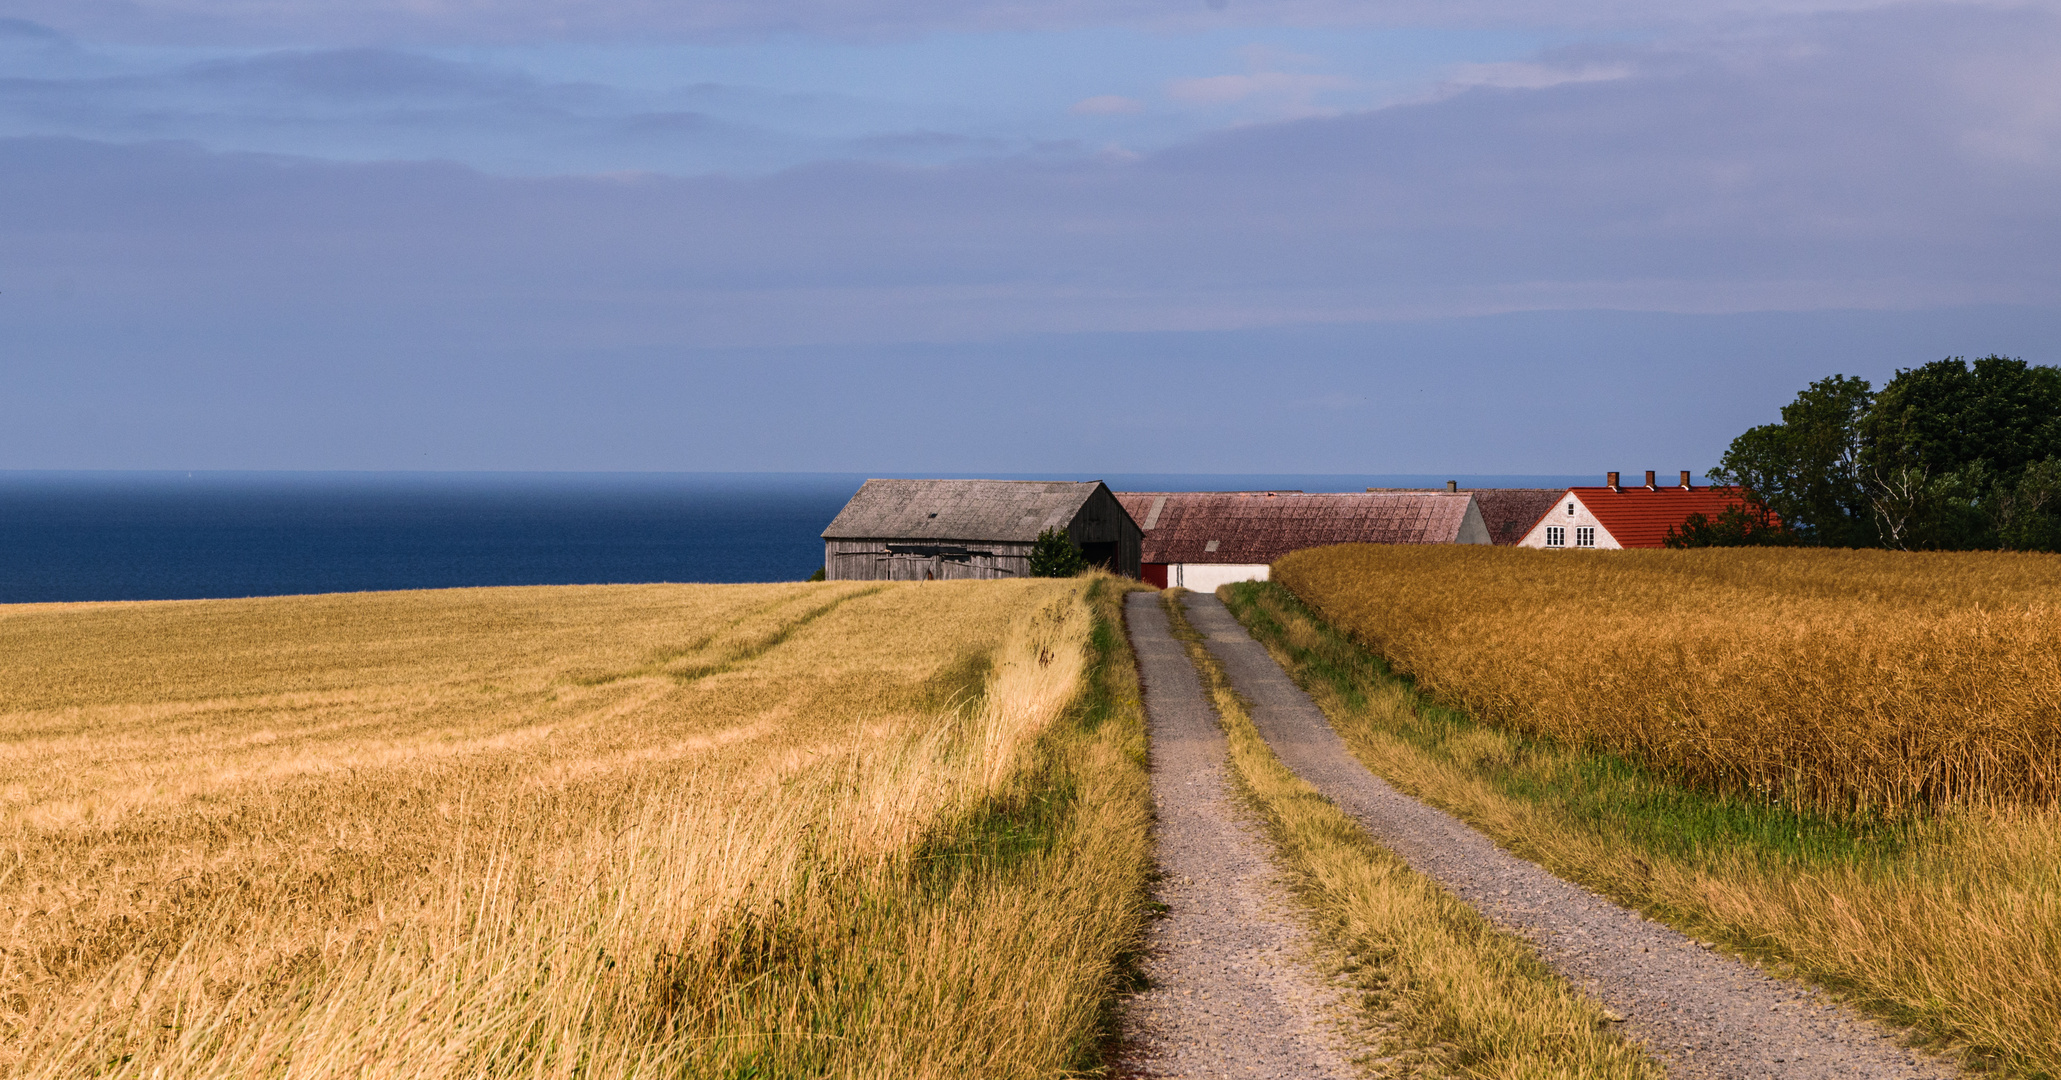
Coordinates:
(1229, 995)
(1703, 1014)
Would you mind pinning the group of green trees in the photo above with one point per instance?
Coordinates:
(1948, 456)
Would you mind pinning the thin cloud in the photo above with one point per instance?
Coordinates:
(1107, 105)
(325, 22)
(1794, 179)
(1297, 87)
(1534, 75)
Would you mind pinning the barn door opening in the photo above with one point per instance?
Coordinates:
(1101, 554)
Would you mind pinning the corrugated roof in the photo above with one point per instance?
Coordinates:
(1639, 517)
(997, 511)
(1259, 527)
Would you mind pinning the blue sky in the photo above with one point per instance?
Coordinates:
(1215, 237)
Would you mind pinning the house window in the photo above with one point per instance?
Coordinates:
(1556, 536)
(1585, 536)
(1570, 509)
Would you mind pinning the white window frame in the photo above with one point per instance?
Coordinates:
(1585, 536)
(1556, 536)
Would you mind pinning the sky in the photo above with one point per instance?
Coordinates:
(1232, 236)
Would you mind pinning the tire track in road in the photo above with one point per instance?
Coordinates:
(1702, 1014)
(1229, 995)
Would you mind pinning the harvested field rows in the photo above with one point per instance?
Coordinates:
(627, 829)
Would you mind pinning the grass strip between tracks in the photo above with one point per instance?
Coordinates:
(1440, 991)
(1949, 923)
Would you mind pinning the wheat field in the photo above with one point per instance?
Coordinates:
(1948, 921)
(1865, 682)
(623, 830)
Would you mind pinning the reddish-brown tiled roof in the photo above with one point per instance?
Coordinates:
(1639, 517)
(1259, 527)
(1509, 513)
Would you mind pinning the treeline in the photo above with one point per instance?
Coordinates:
(1950, 456)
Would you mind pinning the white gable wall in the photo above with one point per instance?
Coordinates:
(1473, 530)
(1559, 517)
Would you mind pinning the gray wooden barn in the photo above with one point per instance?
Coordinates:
(922, 530)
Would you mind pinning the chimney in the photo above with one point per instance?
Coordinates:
(1610, 481)
(1685, 479)
(1649, 481)
(1453, 486)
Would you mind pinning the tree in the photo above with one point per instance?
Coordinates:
(1053, 555)
(1736, 526)
(2023, 513)
(1948, 455)
(1806, 469)
(1953, 455)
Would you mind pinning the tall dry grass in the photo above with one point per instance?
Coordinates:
(1949, 922)
(714, 830)
(1839, 681)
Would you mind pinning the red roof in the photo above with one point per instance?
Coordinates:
(1639, 517)
(1261, 526)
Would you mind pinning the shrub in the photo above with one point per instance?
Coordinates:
(1055, 556)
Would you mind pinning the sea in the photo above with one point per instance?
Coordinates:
(71, 536)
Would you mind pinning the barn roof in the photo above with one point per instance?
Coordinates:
(996, 511)
(1261, 526)
(1639, 517)
(1509, 513)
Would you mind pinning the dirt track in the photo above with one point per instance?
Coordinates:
(1229, 996)
(1702, 1014)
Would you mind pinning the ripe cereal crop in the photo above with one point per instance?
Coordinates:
(838, 828)
(1840, 682)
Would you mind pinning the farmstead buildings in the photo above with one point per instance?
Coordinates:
(1616, 516)
(1203, 539)
(924, 530)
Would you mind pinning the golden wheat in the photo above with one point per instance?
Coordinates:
(1950, 922)
(1835, 680)
(621, 829)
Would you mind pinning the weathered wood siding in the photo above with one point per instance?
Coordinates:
(1103, 520)
(903, 560)
(930, 526)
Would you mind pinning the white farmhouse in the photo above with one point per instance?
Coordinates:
(1614, 516)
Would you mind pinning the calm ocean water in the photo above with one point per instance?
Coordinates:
(167, 536)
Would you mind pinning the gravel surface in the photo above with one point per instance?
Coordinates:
(1703, 1014)
(1230, 996)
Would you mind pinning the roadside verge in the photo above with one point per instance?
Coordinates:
(1439, 990)
(1706, 1015)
